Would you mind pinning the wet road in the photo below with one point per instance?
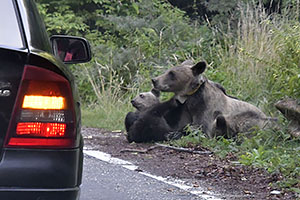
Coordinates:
(106, 181)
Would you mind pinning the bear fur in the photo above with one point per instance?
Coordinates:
(207, 102)
(153, 120)
(151, 125)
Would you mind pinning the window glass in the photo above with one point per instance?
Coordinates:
(10, 34)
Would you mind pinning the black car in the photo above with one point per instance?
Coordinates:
(40, 141)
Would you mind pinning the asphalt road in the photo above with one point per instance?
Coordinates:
(106, 181)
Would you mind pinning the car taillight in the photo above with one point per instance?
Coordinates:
(44, 114)
(43, 102)
(41, 129)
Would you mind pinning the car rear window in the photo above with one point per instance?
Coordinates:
(10, 35)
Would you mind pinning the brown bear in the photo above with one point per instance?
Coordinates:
(207, 102)
(153, 120)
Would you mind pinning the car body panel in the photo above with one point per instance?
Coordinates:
(12, 65)
(35, 173)
(40, 194)
(39, 168)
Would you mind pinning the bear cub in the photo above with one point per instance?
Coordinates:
(141, 102)
(154, 120)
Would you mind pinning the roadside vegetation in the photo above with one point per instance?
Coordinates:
(252, 49)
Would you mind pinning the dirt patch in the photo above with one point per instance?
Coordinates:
(232, 180)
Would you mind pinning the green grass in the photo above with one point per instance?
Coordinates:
(109, 117)
(259, 60)
(111, 105)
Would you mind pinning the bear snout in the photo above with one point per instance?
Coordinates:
(137, 105)
(134, 104)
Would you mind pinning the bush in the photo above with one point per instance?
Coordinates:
(259, 62)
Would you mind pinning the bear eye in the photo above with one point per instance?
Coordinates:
(142, 96)
(172, 75)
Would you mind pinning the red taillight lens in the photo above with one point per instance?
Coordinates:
(41, 129)
(44, 113)
(37, 142)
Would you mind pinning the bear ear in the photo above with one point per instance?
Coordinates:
(156, 92)
(199, 68)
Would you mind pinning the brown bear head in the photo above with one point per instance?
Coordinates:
(146, 99)
(182, 79)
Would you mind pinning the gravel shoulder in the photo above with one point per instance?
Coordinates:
(223, 176)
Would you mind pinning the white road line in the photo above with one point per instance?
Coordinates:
(200, 192)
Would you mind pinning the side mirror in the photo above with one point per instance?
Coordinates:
(71, 49)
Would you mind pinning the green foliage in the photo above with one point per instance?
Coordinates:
(194, 137)
(221, 146)
(276, 152)
(289, 54)
(146, 40)
(61, 19)
(258, 62)
(136, 39)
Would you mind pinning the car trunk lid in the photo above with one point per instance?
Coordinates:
(11, 69)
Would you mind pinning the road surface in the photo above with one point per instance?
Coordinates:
(110, 181)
